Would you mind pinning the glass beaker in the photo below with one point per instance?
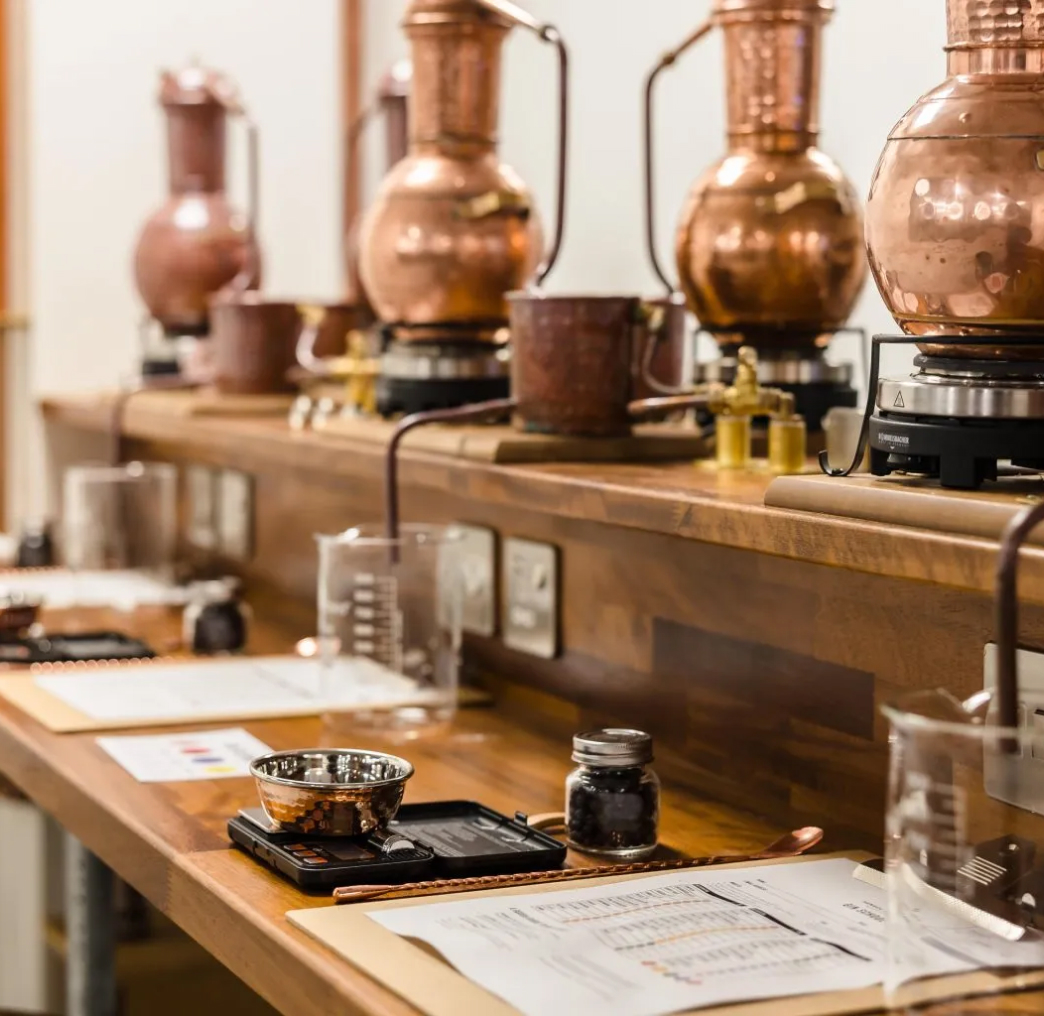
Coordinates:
(390, 627)
(120, 517)
(965, 867)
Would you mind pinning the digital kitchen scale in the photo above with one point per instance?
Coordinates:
(448, 839)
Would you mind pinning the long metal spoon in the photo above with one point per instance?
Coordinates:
(793, 844)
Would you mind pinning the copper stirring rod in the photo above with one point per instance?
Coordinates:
(793, 844)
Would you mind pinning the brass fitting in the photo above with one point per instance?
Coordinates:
(746, 398)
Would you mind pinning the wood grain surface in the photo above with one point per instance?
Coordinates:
(694, 502)
(169, 841)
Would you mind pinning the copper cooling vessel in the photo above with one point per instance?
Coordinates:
(955, 221)
(453, 230)
(770, 244)
(196, 244)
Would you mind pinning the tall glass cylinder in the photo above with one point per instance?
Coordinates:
(390, 618)
(121, 517)
(964, 862)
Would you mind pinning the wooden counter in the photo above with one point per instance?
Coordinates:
(694, 502)
(169, 840)
(756, 644)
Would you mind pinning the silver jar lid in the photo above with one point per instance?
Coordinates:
(614, 748)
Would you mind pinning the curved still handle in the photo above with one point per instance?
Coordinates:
(547, 33)
(1007, 617)
(667, 60)
(248, 276)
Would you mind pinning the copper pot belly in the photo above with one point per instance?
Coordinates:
(196, 243)
(955, 219)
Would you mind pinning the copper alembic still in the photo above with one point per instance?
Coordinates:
(196, 244)
(453, 230)
(769, 248)
(957, 251)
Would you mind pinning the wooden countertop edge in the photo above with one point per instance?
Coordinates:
(882, 549)
(310, 979)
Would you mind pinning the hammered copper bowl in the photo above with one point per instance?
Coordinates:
(331, 792)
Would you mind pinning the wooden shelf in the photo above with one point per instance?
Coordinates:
(686, 500)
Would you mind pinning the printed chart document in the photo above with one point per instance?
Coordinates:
(63, 589)
(173, 758)
(273, 685)
(667, 944)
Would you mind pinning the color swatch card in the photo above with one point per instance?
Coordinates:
(171, 758)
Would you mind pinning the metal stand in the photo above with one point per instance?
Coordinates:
(90, 925)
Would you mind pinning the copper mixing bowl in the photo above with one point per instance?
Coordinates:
(331, 792)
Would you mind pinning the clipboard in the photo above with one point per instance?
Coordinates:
(21, 689)
(419, 975)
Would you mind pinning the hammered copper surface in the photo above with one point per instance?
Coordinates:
(196, 243)
(953, 228)
(769, 248)
(452, 230)
(576, 361)
(253, 343)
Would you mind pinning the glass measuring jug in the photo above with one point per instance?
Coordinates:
(965, 869)
(390, 618)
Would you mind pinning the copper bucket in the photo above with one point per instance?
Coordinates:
(254, 344)
(579, 361)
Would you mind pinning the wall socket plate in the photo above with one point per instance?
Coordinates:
(531, 621)
(235, 515)
(201, 486)
(1019, 780)
(474, 553)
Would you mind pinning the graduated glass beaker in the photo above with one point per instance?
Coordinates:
(965, 866)
(120, 517)
(389, 627)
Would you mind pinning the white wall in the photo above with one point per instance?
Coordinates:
(880, 56)
(98, 160)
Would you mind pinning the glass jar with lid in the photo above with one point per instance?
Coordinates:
(613, 796)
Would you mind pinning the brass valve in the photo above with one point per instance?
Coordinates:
(360, 371)
(737, 405)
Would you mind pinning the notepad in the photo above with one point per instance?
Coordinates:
(64, 589)
(153, 694)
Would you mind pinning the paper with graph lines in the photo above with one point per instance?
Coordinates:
(681, 941)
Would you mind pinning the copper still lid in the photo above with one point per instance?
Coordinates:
(771, 8)
(974, 24)
(449, 12)
(195, 85)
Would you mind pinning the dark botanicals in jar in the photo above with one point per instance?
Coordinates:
(613, 797)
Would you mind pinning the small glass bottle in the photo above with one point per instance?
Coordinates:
(613, 797)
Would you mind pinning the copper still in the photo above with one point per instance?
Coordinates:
(197, 244)
(953, 221)
(770, 244)
(453, 230)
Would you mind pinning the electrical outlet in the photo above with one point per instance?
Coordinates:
(531, 619)
(473, 552)
(1019, 780)
(202, 507)
(235, 515)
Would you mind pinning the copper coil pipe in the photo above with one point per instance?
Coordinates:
(460, 414)
(669, 404)
(1007, 616)
(667, 60)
